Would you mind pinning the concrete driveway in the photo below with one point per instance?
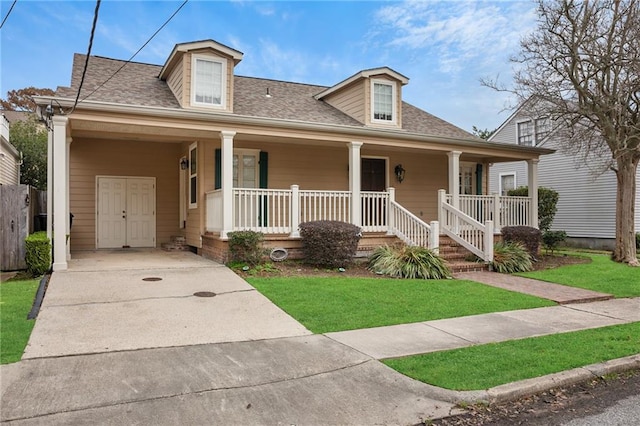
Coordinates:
(135, 299)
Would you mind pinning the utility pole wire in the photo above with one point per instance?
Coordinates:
(86, 62)
(8, 13)
(138, 51)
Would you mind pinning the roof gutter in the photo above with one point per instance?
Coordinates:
(227, 118)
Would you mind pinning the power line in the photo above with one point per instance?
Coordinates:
(8, 13)
(138, 51)
(86, 62)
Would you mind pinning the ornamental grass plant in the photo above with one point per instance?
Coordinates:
(411, 262)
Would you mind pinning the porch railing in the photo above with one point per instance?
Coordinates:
(464, 229)
(411, 229)
(502, 210)
(280, 211)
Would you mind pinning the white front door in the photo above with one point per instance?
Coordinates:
(126, 212)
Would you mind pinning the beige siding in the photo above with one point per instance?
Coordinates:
(174, 81)
(351, 100)
(8, 169)
(94, 157)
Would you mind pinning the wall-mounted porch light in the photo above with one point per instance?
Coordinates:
(184, 163)
(399, 172)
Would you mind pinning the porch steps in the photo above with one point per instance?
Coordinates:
(458, 258)
(177, 243)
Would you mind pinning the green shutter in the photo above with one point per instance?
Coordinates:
(479, 179)
(264, 160)
(218, 169)
(263, 163)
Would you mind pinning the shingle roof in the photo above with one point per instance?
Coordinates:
(138, 84)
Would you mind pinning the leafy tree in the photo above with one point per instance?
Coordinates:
(22, 99)
(547, 204)
(582, 65)
(482, 133)
(30, 137)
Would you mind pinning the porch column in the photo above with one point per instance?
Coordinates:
(454, 177)
(68, 217)
(532, 167)
(226, 138)
(50, 183)
(60, 193)
(354, 182)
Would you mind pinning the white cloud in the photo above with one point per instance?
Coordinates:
(457, 34)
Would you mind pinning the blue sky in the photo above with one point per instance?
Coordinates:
(443, 47)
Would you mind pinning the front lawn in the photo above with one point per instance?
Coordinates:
(325, 304)
(16, 299)
(486, 366)
(602, 274)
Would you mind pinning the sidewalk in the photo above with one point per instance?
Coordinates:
(432, 336)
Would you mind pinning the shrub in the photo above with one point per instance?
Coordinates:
(245, 246)
(38, 253)
(408, 262)
(510, 257)
(547, 204)
(526, 235)
(329, 243)
(551, 239)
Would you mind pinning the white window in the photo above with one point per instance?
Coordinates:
(507, 183)
(208, 81)
(193, 175)
(383, 101)
(466, 179)
(245, 168)
(525, 133)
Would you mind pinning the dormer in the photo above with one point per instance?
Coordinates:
(373, 97)
(200, 75)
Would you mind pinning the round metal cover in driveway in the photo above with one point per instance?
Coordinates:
(152, 279)
(204, 294)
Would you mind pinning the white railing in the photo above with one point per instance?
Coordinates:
(280, 211)
(214, 211)
(464, 229)
(502, 210)
(411, 229)
(374, 208)
(262, 210)
(325, 205)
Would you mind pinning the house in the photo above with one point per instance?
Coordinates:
(188, 148)
(10, 159)
(587, 196)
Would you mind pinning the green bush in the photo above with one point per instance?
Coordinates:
(246, 246)
(510, 257)
(38, 253)
(329, 242)
(551, 239)
(527, 236)
(408, 262)
(638, 241)
(547, 204)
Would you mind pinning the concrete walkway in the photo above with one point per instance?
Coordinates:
(110, 347)
(561, 294)
(431, 336)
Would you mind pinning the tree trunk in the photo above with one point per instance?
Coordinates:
(625, 250)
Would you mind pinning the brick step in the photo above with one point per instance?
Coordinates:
(178, 243)
(456, 267)
(455, 256)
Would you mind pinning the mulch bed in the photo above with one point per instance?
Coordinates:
(295, 268)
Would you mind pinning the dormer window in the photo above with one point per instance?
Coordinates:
(208, 81)
(383, 102)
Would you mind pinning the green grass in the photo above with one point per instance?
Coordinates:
(16, 298)
(324, 304)
(602, 274)
(486, 366)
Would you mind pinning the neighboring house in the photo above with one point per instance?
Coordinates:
(10, 160)
(587, 203)
(190, 149)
